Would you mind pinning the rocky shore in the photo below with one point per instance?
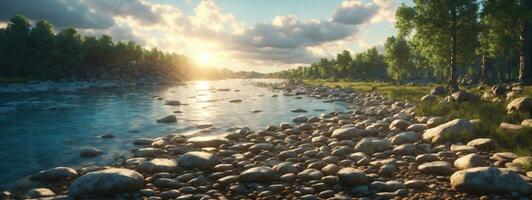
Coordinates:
(378, 150)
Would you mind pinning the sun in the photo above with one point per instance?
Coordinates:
(203, 58)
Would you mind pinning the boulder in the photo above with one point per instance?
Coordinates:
(39, 193)
(197, 159)
(469, 161)
(55, 174)
(524, 162)
(149, 152)
(207, 141)
(372, 145)
(449, 130)
(429, 98)
(167, 119)
(347, 133)
(258, 174)
(510, 127)
(463, 96)
(440, 90)
(309, 174)
(463, 149)
(487, 180)
(157, 165)
(142, 141)
(106, 183)
(298, 110)
(300, 119)
(285, 168)
(435, 121)
(405, 137)
(522, 104)
(527, 123)
(436, 167)
(352, 177)
(89, 152)
(404, 149)
(257, 148)
(401, 124)
(482, 143)
(172, 103)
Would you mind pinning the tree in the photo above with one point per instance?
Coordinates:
(445, 31)
(525, 42)
(398, 57)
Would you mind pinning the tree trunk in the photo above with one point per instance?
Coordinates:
(452, 76)
(525, 45)
(483, 70)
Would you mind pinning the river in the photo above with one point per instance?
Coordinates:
(34, 138)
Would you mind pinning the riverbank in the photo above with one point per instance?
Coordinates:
(379, 149)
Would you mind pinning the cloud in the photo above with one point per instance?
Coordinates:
(354, 12)
(136, 9)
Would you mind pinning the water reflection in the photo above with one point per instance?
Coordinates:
(33, 139)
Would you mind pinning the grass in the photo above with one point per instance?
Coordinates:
(491, 114)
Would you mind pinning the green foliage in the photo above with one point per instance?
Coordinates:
(398, 57)
(31, 52)
(368, 65)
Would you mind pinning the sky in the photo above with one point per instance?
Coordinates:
(258, 35)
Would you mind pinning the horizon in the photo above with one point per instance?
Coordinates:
(227, 34)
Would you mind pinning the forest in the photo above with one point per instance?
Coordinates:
(35, 52)
(453, 42)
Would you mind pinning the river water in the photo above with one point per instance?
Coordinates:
(34, 138)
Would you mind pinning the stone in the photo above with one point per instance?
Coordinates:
(207, 141)
(429, 98)
(300, 119)
(309, 174)
(417, 127)
(172, 103)
(298, 110)
(387, 169)
(39, 193)
(522, 104)
(524, 162)
(107, 135)
(157, 165)
(235, 100)
(228, 180)
(258, 174)
(285, 168)
(55, 174)
(404, 137)
(504, 156)
(401, 124)
(439, 90)
(89, 152)
(487, 180)
(404, 149)
(415, 184)
(347, 133)
(423, 158)
(435, 121)
(498, 90)
(372, 145)
(510, 127)
(352, 177)
(142, 141)
(444, 132)
(469, 161)
(463, 149)
(330, 169)
(482, 143)
(197, 159)
(257, 148)
(149, 152)
(526, 123)
(436, 167)
(167, 119)
(106, 183)
(463, 96)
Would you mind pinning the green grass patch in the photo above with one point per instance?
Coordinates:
(491, 114)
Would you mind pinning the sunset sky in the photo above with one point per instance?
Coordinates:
(260, 35)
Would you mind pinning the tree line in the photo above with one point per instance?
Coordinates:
(453, 41)
(37, 52)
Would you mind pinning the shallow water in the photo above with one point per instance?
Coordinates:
(33, 139)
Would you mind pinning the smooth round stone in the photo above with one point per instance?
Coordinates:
(207, 141)
(149, 152)
(285, 167)
(158, 165)
(55, 174)
(258, 174)
(197, 159)
(352, 177)
(116, 181)
(39, 193)
(310, 174)
(416, 184)
(436, 167)
(89, 152)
